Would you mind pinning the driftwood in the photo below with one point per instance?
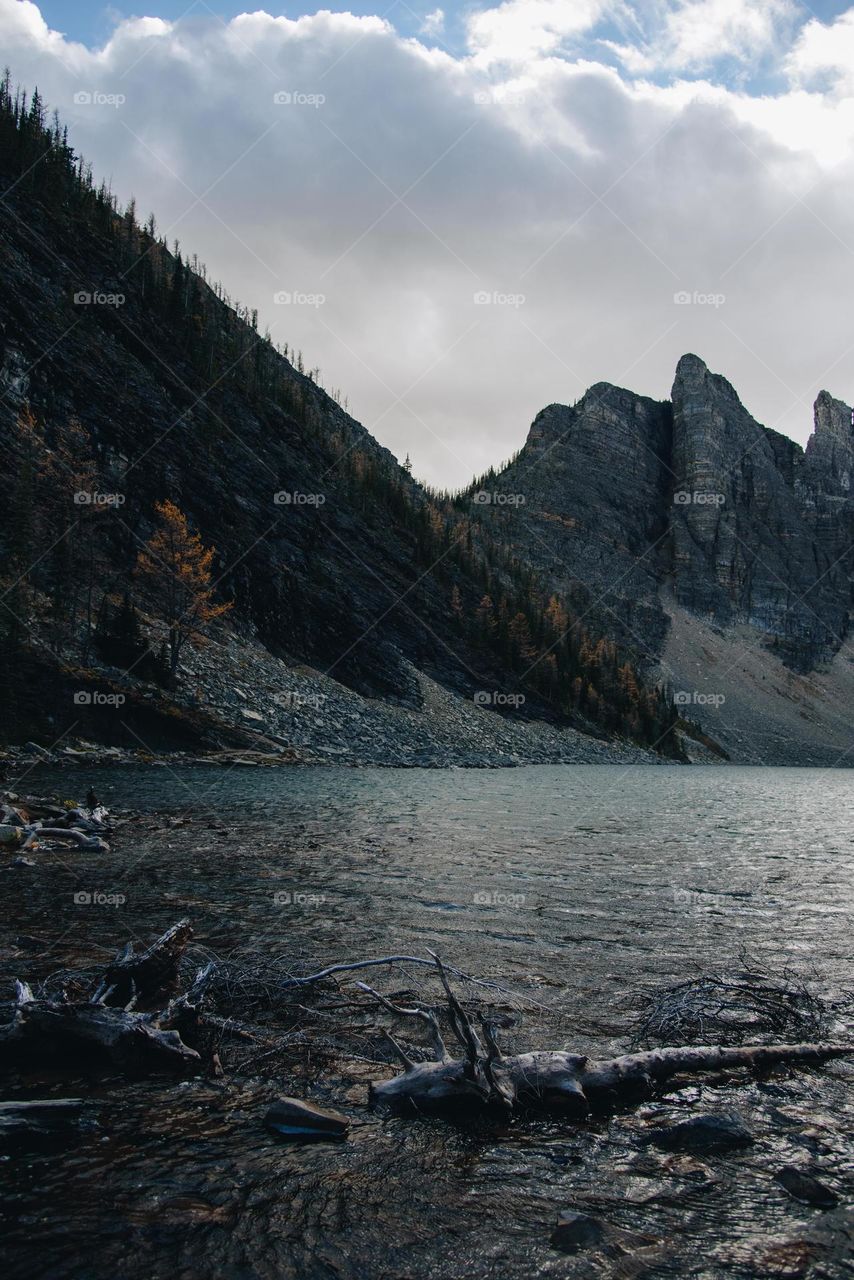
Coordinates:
(97, 1032)
(477, 1077)
(38, 821)
(133, 977)
(49, 1031)
(569, 1084)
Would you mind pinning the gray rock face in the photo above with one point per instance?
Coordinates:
(824, 484)
(625, 500)
(744, 539)
(593, 478)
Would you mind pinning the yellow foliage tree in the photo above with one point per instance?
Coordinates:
(179, 567)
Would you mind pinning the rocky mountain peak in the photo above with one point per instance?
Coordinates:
(693, 377)
(690, 366)
(833, 417)
(628, 498)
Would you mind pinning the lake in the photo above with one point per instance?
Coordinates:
(571, 886)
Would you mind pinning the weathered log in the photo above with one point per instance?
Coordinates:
(97, 1033)
(569, 1084)
(48, 1031)
(85, 841)
(133, 977)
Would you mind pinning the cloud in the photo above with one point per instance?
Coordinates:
(488, 236)
(518, 30)
(433, 24)
(696, 34)
(824, 55)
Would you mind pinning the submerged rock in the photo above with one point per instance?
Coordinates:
(576, 1231)
(712, 1132)
(802, 1185)
(295, 1118)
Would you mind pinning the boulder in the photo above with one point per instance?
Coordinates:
(576, 1231)
(303, 1121)
(803, 1185)
(710, 1132)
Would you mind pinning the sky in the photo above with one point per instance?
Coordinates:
(464, 213)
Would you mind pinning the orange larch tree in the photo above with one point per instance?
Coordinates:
(179, 567)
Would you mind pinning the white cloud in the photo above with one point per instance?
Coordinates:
(433, 24)
(825, 54)
(518, 30)
(402, 195)
(692, 35)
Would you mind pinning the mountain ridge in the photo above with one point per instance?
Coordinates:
(121, 364)
(549, 588)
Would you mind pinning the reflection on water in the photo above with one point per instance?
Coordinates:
(572, 885)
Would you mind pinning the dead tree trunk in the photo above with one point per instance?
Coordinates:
(98, 1033)
(88, 1034)
(569, 1084)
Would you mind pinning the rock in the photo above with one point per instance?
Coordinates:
(22, 1122)
(295, 1118)
(10, 834)
(711, 1132)
(802, 1185)
(21, 861)
(576, 1231)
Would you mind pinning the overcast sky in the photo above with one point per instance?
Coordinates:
(584, 165)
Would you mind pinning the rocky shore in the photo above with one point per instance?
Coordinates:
(272, 714)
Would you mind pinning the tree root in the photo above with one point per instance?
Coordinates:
(91, 1032)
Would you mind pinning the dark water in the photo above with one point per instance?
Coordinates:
(573, 886)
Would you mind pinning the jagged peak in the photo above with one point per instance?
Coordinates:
(833, 417)
(692, 374)
(690, 365)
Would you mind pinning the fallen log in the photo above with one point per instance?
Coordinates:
(134, 977)
(48, 1031)
(105, 1030)
(569, 1084)
(85, 842)
(38, 1118)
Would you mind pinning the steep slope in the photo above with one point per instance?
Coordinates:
(126, 378)
(745, 545)
(587, 501)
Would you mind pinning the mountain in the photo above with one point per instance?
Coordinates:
(715, 550)
(643, 576)
(367, 621)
